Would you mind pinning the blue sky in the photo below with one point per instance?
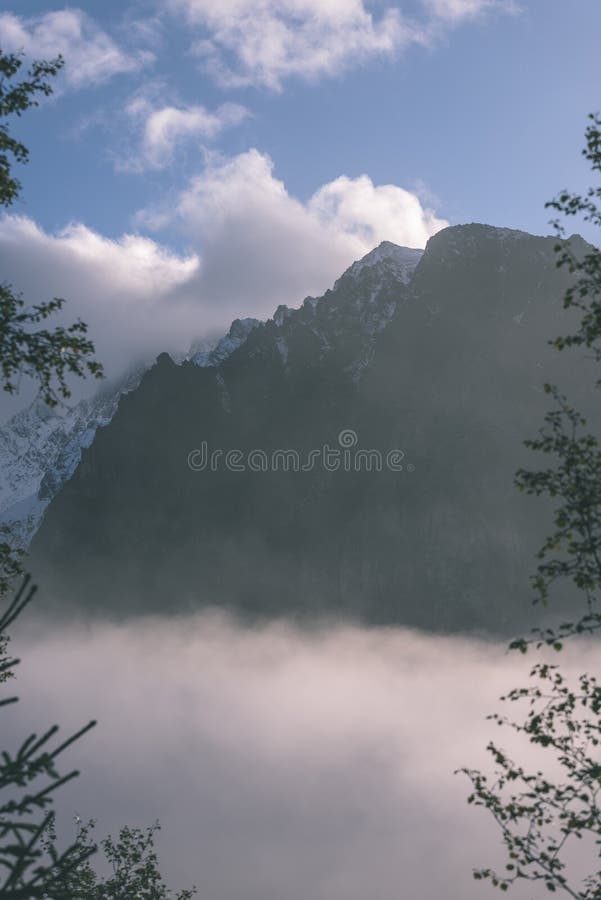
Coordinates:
(201, 161)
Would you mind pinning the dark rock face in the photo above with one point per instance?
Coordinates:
(448, 369)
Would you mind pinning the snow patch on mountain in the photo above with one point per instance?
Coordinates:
(40, 448)
(215, 354)
(399, 261)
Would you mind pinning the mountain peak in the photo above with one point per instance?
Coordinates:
(470, 237)
(401, 261)
(164, 360)
(214, 353)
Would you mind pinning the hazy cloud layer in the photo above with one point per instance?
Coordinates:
(251, 246)
(91, 55)
(284, 765)
(242, 42)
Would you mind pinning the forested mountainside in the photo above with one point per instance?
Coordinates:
(440, 357)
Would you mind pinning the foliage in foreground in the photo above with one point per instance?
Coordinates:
(47, 356)
(131, 859)
(542, 820)
(29, 778)
(31, 866)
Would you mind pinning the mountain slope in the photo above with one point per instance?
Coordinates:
(446, 367)
(40, 448)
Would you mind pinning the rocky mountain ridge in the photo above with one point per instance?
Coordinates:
(40, 448)
(254, 485)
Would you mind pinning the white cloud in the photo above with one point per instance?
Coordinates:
(251, 247)
(164, 128)
(124, 290)
(373, 213)
(261, 246)
(243, 42)
(91, 54)
(263, 42)
(283, 765)
(456, 11)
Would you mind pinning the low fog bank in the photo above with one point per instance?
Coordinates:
(283, 764)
